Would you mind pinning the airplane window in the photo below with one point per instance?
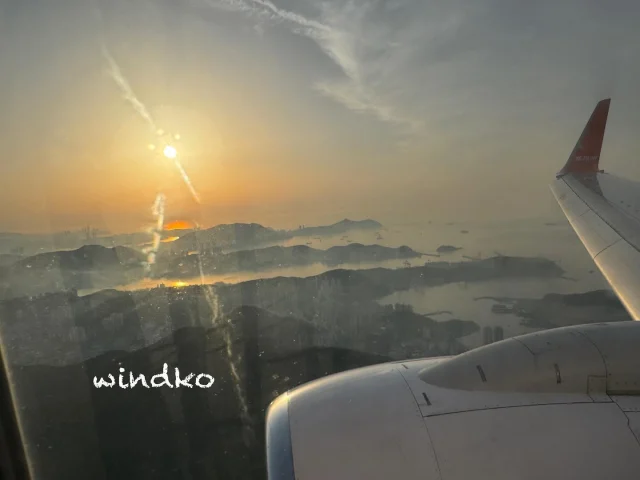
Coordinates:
(205, 204)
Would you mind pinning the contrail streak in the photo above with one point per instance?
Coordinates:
(127, 92)
(187, 181)
(129, 95)
(227, 330)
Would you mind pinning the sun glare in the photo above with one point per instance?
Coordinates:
(169, 239)
(170, 152)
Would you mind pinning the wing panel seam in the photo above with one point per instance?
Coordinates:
(607, 247)
(426, 427)
(500, 407)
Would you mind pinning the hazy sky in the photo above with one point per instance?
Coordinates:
(302, 111)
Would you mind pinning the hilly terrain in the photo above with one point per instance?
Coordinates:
(250, 235)
(280, 257)
(90, 266)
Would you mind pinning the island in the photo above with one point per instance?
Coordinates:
(251, 235)
(561, 310)
(279, 257)
(447, 249)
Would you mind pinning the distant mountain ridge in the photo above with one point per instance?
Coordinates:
(342, 226)
(233, 235)
(246, 235)
(281, 257)
(87, 257)
(90, 266)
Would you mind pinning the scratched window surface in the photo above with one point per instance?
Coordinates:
(206, 203)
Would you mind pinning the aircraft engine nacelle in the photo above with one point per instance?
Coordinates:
(557, 404)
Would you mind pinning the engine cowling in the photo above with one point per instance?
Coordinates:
(561, 403)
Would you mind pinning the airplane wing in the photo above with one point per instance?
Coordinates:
(604, 210)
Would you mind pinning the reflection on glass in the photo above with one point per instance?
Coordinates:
(265, 194)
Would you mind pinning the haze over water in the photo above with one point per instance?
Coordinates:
(528, 238)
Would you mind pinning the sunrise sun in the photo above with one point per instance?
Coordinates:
(170, 152)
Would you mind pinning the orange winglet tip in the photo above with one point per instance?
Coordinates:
(585, 157)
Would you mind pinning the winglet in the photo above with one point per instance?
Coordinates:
(586, 154)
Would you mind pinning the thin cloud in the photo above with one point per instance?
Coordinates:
(460, 69)
(337, 35)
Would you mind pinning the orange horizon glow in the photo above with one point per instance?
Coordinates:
(179, 225)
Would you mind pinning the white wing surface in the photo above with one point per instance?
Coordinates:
(604, 210)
